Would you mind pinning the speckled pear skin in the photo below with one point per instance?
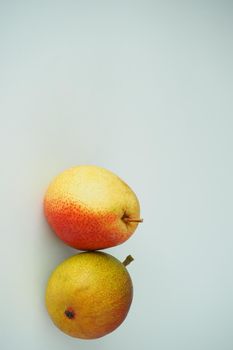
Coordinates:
(89, 295)
(86, 206)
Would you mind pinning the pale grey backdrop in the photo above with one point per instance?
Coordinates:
(143, 88)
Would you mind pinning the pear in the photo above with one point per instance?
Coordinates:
(91, 208)
(89, 294)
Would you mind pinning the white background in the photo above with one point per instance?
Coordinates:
(143, 88)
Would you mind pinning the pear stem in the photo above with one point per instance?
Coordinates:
(133, 220)
(128, 260)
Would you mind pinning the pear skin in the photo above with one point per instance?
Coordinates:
(90, 208)
(89, 294)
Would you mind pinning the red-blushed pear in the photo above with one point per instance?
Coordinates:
(91, 208)
(89, 294)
